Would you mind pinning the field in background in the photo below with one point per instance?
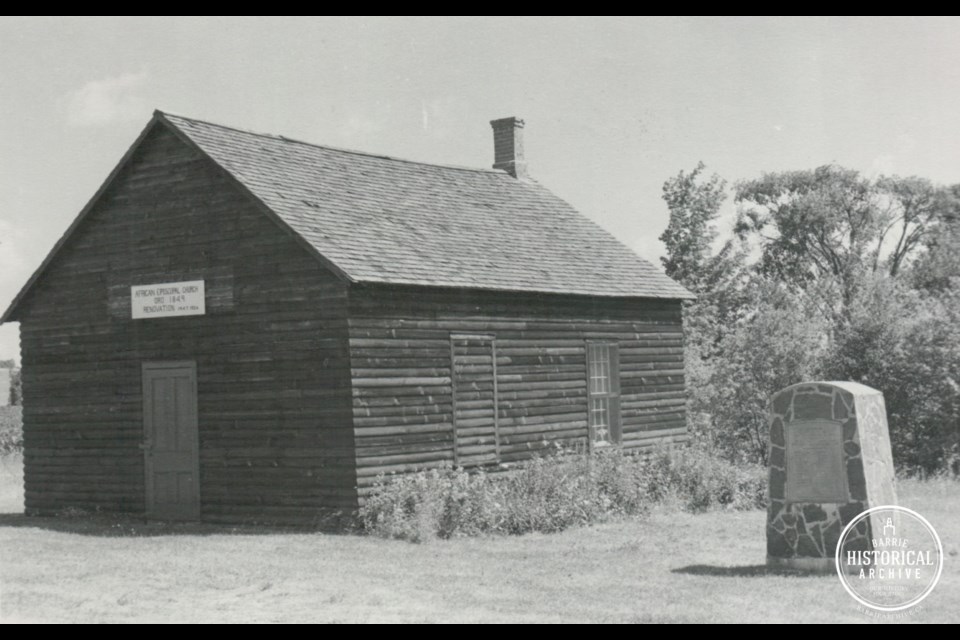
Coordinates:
(672, 567)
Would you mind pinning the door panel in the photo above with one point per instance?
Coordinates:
(171, 440)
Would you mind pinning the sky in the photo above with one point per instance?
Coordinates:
(613, 107)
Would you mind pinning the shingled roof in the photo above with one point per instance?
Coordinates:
(387, 220)
(378, 219)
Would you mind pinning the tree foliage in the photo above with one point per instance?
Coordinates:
(774, 346)
(694, 205)
(828, 275)
(906, 343)
(716, 278)
(16, 388)
(831, 223)
(938, 268)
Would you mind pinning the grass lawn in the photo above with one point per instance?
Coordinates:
(673, 567)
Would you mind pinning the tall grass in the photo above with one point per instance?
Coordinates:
(555, 492)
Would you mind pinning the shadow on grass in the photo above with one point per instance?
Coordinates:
(123, 526)
(745, 571)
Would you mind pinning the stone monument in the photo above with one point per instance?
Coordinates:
(830, 460)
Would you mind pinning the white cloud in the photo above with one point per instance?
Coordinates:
(100, 102)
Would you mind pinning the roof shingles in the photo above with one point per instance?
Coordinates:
(383, 220)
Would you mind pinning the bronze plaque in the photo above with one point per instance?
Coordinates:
(815, 471)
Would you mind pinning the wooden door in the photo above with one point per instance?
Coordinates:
(474, 379)
(171, 441)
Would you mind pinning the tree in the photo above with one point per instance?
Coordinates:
(829, 275)
(833, 224)
(906, 343)
(694, 203)
(914, 208)
(778, 343)
(694, 206)
(16, 388)
(938, 268)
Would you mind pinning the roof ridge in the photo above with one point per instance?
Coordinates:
(357, 152)
(583, 258)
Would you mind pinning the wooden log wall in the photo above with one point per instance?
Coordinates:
(276, 443)
(474, 391)
(403, 394)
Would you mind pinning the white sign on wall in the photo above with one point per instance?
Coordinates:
(168, 299)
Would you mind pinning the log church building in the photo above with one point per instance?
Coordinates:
(242, 327)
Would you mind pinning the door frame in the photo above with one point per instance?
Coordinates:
(149, 493)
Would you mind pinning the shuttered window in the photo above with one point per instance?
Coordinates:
(603, 392)
(476, 436)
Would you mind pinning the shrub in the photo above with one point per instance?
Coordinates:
(906, 344)
(776, 345)
(11, 430)
(555, 492)
(567, 489)
(700, 480)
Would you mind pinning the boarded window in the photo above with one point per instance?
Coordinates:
(476, 435)
(603, 392)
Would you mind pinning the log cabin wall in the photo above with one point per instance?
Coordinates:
(271, 353)
(405, 343)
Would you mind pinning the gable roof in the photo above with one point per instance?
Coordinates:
(377, 219)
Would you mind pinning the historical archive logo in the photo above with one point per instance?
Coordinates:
(889, 558)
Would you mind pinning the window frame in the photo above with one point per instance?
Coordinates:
(602, 362)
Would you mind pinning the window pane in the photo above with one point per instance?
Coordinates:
(599, 368)
(599, 418)
(600, 387)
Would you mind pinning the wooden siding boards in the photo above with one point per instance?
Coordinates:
(400, 348)
(473, 376)
(272, 357)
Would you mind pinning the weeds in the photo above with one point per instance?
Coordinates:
(555, 492)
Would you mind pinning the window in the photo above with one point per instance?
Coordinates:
(603, 392)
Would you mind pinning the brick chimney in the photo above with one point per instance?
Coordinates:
(508, 146)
